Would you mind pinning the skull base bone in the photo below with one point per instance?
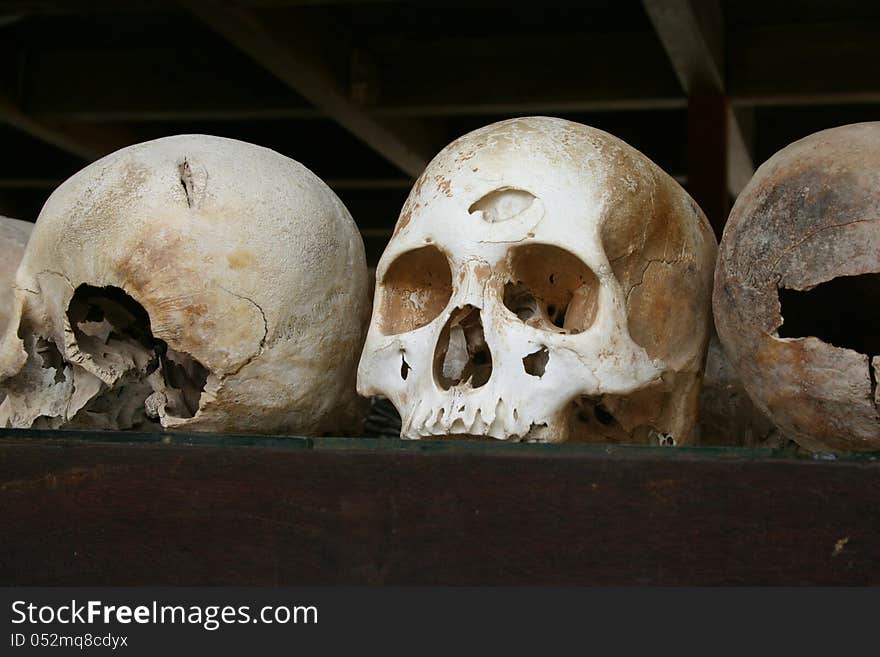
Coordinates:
(545, 282)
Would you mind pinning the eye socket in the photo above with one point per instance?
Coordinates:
(551, 289)
(415, 290)
(502, 204)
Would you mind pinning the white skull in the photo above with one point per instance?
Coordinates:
(545, 282)
(198, 282)
(13, 238)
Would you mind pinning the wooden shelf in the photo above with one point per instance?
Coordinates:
(177, 509)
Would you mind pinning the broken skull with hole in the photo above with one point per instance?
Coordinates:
(545, 282)
(797, 289)
(189, 282)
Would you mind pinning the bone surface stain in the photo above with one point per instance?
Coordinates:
(240, 258)
(462, 355)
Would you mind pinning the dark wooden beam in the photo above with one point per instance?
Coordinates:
(580, 71)
(370, 184)
(29, 183)
(494, 76)
(11, 115)
(154, 84)
(9, 19)
(813, 64)
(828, 63)
(707, 156)
(740, 146)
(309, 77)
(692, 34)
(129, 509)
(115, 6)
(86, 142)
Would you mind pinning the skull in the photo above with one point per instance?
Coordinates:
(13, 238)
(545, 282)
(797, 289)
(191, 282)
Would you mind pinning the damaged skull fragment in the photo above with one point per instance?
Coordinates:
(797, 289)
(14, 236)
(545, 282)
(191, 282)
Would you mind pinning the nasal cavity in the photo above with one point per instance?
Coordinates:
(462, 356)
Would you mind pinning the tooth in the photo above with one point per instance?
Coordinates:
(497, 427)
(458, 426)
(479, 426)
(412, 420)
(426, 415)
(431, 419)
(448, 417)
(469, 415)
(439, 420)
(490, 415)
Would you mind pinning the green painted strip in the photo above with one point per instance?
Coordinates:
(380, 445)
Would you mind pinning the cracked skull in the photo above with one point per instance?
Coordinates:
(545, 282)
(797, 288)
(191, 282)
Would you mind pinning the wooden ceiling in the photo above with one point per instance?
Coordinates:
(364, 93)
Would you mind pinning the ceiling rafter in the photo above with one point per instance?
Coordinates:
(692, 33)
(306, 74)
(86, 142)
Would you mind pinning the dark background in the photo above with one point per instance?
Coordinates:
(365, 93)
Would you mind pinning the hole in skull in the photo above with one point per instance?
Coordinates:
(51, 357)
(535, 364)
(462, 355)
(404, 366)
(551, 289)
(589, 410)
(186, 180)
(592, 421)
(502, 204)
(844, 312)
(114, 330)
(415, 290)
(602, 415)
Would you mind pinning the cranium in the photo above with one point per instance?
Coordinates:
(194, 282)
(13, 238)
(797, 289)
(545, 282)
